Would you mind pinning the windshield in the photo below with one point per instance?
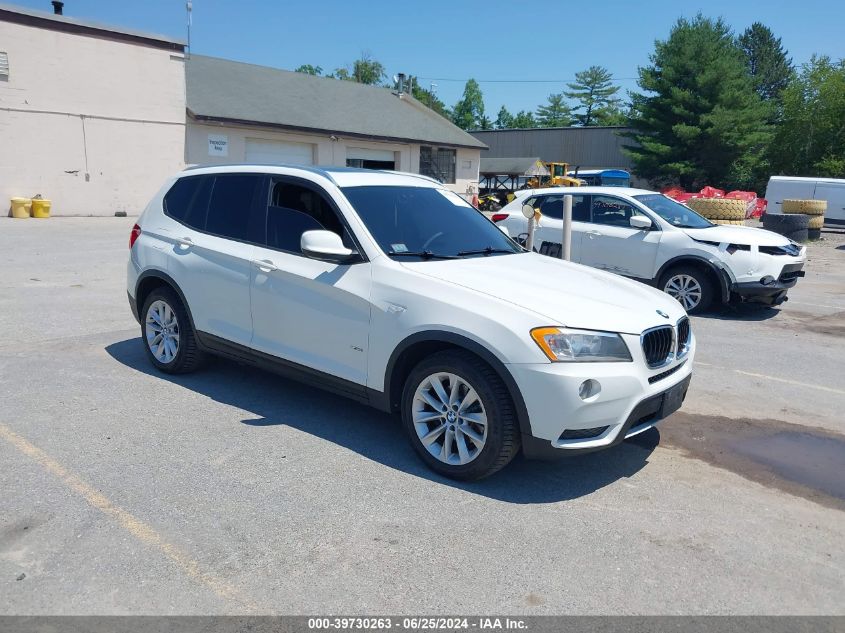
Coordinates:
(673, 212)
(419, 223)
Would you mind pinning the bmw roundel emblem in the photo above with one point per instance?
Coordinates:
(662, 313)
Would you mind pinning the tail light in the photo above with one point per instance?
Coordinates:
(498, 217)
(134, 235)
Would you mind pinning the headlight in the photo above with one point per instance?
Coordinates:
(566, 345)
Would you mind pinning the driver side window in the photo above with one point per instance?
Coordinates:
(294, 209)
(612, 211)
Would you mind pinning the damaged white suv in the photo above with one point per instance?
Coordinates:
(390, 289)
(650, 237)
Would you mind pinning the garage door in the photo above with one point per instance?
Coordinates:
(370, 158)
(275, 152)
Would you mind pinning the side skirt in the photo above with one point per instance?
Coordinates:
(313, 377)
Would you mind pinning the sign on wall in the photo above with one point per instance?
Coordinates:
(218, 145)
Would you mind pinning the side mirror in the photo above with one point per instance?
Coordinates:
(325, 246)
(527, 211)
(640, 222)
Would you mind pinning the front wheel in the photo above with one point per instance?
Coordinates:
(459, 416)
(690, 286)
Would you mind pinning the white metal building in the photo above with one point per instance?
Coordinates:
(91, 117)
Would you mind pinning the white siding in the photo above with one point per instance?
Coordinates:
(93, 124)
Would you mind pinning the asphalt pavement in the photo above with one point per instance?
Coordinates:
(125, 491)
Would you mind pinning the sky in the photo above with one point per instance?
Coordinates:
(519, 52)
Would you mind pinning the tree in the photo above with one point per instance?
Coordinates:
(469, 111)
(504, 120)
(810, 140)
(766, 60)
(556, 113)
(365, 70)
(700, 120)
(524, 119)
(308, 69)
(427, 97)
(593, 90)
(485, 123)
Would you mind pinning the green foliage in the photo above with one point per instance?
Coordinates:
(810, 140)
(427, 97)
(766, 60)
(593, 91)
(524, 119)
(365, 70)
(699, 120)
(469, 111)
(504, 120)
(485, 123)
(556, 113)
(308, 69)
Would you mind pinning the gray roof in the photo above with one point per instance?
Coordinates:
(584, 147)
(45, 19)
(513, 167)
(224, 90)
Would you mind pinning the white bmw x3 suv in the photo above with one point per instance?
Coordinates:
(392, 290)
(647, 236)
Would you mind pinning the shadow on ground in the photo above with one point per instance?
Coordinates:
(741, 312)
(379, 437)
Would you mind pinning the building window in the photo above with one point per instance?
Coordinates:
(4, 64)
(438, 163)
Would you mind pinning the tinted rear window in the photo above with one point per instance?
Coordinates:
(229, 208)
(187, 200)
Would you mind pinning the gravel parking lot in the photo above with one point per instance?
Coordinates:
(235, 491)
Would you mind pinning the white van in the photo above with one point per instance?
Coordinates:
(796, 188)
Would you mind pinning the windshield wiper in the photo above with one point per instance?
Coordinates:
(421, 254)
(485, 251)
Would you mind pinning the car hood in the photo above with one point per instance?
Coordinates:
(561, 292)
(735, 234)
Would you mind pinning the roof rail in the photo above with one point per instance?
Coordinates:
(314, 170)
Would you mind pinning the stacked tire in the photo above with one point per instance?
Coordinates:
(793, 226)
(720, 210)
(815, 209)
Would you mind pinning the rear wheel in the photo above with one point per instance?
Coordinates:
(690, 286)
(168, 337)
(459, 416)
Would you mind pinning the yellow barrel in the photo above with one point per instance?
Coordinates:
(21, 207)
(40, 208)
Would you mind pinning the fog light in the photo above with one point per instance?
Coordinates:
(767, 280)
(589, 389)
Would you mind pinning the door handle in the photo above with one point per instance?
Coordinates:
(265, 265)
(185, 241)
(593, 234)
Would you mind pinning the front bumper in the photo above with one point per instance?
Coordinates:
(630, 401)
(773, 293)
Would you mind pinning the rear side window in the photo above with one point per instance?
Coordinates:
(229, 209)
(552, 207)
(187, 201)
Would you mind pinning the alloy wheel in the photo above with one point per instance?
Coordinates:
(162, 331)
(449, 419)
(685, 289)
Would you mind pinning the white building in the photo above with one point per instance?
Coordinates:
(245, 113)
(91, 117)
(95, 117)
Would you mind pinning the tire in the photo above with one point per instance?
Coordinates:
(731, 222)
(807, 207)
(816, 222)
(162, 304)
(814, 234)
(719, 208)
(690, 285)
(787, 224)
(801, 235)
(499, 435)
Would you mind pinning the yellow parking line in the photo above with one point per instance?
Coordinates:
(137, 528)
(776, 379)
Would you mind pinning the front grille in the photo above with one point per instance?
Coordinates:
(793, 250)
(665, 374)
(684, 335)
(658, 345)
(582, 434)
